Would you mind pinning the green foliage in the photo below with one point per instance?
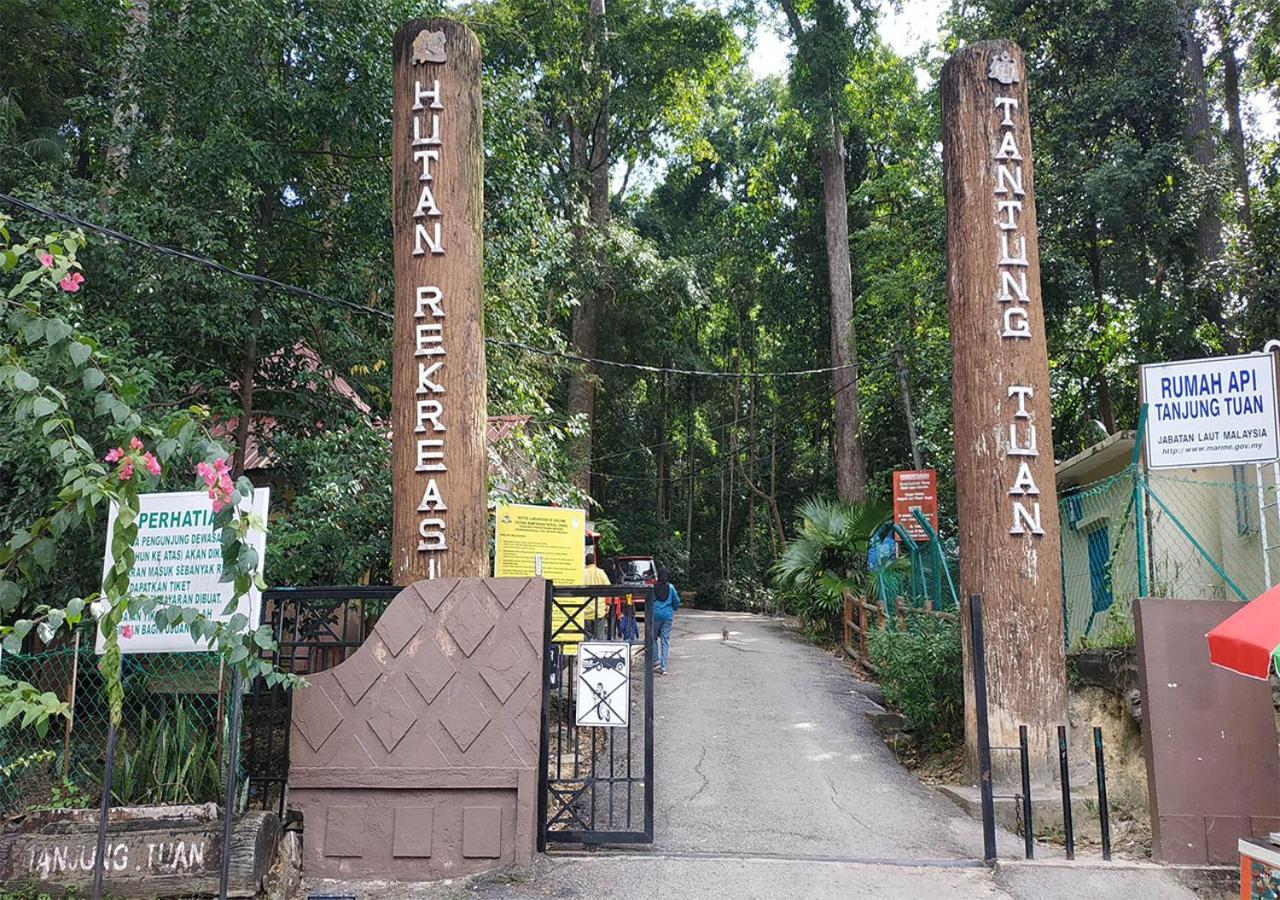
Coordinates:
(27, 707)
(64, 795)
(828, 556)
(922, 674)
(19, 764)
(164, 760)
(740, 594)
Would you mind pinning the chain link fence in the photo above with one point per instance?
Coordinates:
(169, 744)
(1195, 533)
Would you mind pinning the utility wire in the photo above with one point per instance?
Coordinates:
(191, 258)
(861, 369)
(704, 373)
(294, 290)
(703, 471)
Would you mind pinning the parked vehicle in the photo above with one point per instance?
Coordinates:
(638, 570)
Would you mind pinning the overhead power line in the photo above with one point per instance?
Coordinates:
(201, 261)
(294, 290)
(704, 373)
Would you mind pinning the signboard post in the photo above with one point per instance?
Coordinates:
(438, 464)
(1211, 412)
(915, 489)
(178, 561)
(1005, 497)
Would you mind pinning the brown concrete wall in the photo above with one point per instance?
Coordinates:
(1209, 737)
(416, 759)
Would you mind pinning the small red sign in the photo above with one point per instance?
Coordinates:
(911, 489)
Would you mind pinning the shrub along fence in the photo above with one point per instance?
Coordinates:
(169, 745)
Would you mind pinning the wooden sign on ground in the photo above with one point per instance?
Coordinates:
(1005, 496)
(439, 513)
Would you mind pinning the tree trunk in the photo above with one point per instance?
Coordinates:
(249, 361)
(591, 162)
(904, 385)
(1106, 408)
(1235, 125)
(660, 442)
(851, 462)
(125, 113)
(689, 457)
(1199, 135)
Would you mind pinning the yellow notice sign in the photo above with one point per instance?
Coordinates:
(559, 537)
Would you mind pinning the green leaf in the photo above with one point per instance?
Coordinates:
(44, 552)
(92, 378)
(10, 595)
(25, 381)
(80, 353)
(43, 406)
(56, 331)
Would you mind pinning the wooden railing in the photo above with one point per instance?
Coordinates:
(862, 617)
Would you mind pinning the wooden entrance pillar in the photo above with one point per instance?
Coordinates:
(438, 479)
(1005, 494)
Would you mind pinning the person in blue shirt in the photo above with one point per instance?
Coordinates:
(666, 600)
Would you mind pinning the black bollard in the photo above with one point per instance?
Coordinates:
(1067, 828)
(1028, 840)
(984, 734)
(1104, 817)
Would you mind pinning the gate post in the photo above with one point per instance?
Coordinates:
(1005, 495)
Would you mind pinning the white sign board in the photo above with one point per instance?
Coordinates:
(604, 684)
(178, 560)
(1211, 412)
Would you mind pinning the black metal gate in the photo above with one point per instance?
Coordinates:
(315, 629)
(596, 783)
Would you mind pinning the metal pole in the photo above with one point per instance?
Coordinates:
(1139, 504)
(71, 707)
(104, 809)
(1024, 755)
(1067, 828)
(233, 762)
(1104, 817)
(984, 735)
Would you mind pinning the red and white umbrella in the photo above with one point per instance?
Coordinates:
(1248, 641)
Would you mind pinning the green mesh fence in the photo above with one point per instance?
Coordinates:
(1197, 534)
(169, 744)
(922, 575)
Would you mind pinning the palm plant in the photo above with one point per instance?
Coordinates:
(828, 555)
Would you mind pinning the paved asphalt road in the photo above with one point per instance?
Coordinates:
(771, 783)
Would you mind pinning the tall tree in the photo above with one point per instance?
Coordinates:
(824, 48)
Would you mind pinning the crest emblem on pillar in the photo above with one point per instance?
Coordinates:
(1003, 68)
(428, 47)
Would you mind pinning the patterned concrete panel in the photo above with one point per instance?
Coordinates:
(416, 759)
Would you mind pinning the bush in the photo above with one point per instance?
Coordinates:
(922, 674)
(166, 760)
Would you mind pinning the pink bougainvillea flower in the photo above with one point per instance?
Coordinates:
(126, 631)
(126, 469)
(135, 443)
(46, 260)
(114, 455)
(216, 477)
(152, 464)
(71, 283)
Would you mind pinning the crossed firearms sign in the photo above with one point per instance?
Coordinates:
(601, 698)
